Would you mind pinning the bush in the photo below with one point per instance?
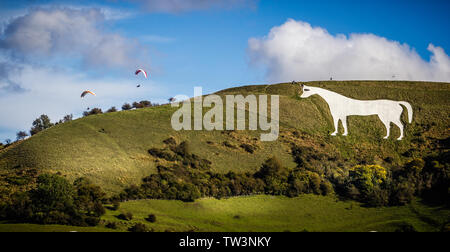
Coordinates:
(67, 118)
(170, 141)
(111, 225)
(94, 111)
(248, 148)
(406, 228)
(115, 205)
(272, 167)
(126, 106)
(151, 218)
(366, 177)
(137, 105)
(21, 135)
(92, 221)
(139, 228)
(229, 145)
(112, 110)
(125, 216)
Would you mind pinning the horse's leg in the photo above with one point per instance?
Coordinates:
(344, 124)
(387, 124)
(400, 125)
(336, 125)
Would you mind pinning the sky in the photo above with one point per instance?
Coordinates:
(51, 51)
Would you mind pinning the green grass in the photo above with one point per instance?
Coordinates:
(49, 228)
(111, 149)
(278, 214)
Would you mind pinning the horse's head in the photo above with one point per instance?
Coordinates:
(306, 92)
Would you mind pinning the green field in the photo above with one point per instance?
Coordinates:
(49, 228)
(261, 214)
(278, 214)
(111, 149)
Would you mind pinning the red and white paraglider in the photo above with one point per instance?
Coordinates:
(141, 71)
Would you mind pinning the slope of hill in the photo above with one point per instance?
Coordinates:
(112, 149)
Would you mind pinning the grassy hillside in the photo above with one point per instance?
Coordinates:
(260, 214)
(111, 149)
(277, 214)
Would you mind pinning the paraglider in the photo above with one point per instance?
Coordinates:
(141, 71)
(87, 92)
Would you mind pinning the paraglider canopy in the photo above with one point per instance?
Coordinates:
(87, 92)
(141, 71)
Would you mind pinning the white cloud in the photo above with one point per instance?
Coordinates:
(298, 51)
(69, 32)
(177, 6)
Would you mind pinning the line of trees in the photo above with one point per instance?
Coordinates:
(188, 177)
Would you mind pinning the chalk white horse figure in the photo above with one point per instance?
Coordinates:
(341, 107)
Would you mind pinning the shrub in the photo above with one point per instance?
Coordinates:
(139, 228)
(92, 221)
(115, 205)
(272, 167)
(229, 145)
(183, 149)
(67, 118)
(112, 110)
(137, 105)
(366, 177)
(126, 106)
(111, 225)
(403, 193)
(145, 104)
(125, 216)
(326, 187)
(151, 218)
(94, 111)
(415, 166)
(248, 148)
(405, 228)
(21, 135)
(170, 141)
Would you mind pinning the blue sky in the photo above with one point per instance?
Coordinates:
(187, 44)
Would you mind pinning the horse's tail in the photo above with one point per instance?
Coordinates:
(409, 108)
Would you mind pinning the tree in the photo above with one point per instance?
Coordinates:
(111, 110)
(40, 124)
(137, 105)
(142, 104)
(94, 111)
(21, 135)
(68, 118)
(272, 167)
(146, 104)
(126, 106)
(52, 194)
(89, 197)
